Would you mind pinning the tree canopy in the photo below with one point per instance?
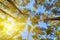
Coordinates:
(40, 19)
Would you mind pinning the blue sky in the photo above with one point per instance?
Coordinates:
(40, 9)
(41, 24)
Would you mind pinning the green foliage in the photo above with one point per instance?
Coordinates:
(37, 30)
(13, 19)
(35, 19)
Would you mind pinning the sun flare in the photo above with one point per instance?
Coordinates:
(10, 27)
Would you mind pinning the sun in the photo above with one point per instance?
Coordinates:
(10, 27)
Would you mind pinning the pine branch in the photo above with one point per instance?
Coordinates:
(56, 18)
(7, 14)
(3, 4)
(10, 1)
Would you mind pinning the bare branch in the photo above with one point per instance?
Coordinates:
(7, 14)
